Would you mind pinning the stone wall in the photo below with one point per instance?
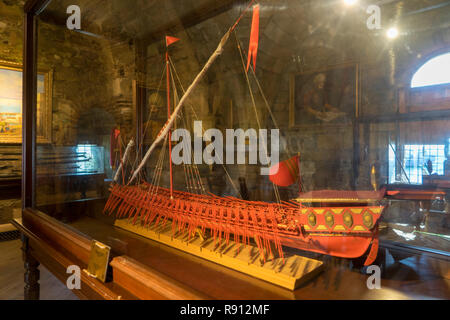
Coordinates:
(10, 52)
(88, 73)
(75, 60)
(96, 73)
(92, 86)
(11, 30)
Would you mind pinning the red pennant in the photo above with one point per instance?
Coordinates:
(254, 38)
(285, 173)
(171, 40)
(114, 145)
(116, 133)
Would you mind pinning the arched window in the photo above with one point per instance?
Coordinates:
(435, 71)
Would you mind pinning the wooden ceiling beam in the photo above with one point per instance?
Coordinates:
(429, 8)
(196, 16)
(35, 6)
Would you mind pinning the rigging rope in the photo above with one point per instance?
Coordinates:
(276, 191)
(153, 107)
(219, 50)
(196, 187)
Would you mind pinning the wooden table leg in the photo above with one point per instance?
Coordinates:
(31, 276)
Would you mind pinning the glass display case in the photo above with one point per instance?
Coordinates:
(355, 99)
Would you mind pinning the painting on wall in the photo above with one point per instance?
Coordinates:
(155, 114)
(11, 104)
(324, 97)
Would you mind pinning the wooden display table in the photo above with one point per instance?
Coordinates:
(149, 270)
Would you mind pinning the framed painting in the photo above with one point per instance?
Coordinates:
(11, 104)
(155, 114)
(328, 96)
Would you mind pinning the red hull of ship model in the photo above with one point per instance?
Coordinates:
(338, 231)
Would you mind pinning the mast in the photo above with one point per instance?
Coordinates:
(169, 41)
(168, 117)
(300, 187)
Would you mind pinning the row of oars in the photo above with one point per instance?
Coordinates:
(191, 212)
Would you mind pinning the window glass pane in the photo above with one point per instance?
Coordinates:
(420, 160)
(357, 91)
(433, 72)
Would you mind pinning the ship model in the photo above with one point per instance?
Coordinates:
(340, 229)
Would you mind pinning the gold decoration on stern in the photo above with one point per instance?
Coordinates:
(348, 220)
(368, 220)
(312, 219)
(329, 219)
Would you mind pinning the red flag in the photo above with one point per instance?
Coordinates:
(114, 146)
(171, 40)
(254, 38)
(285, 173)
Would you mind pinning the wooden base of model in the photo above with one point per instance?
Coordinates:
(291, 274)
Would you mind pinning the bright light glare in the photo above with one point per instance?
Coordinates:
(392, 33)
(350, 2)
(406, 235)
(434, 72)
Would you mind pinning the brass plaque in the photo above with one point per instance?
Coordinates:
(98, 260)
